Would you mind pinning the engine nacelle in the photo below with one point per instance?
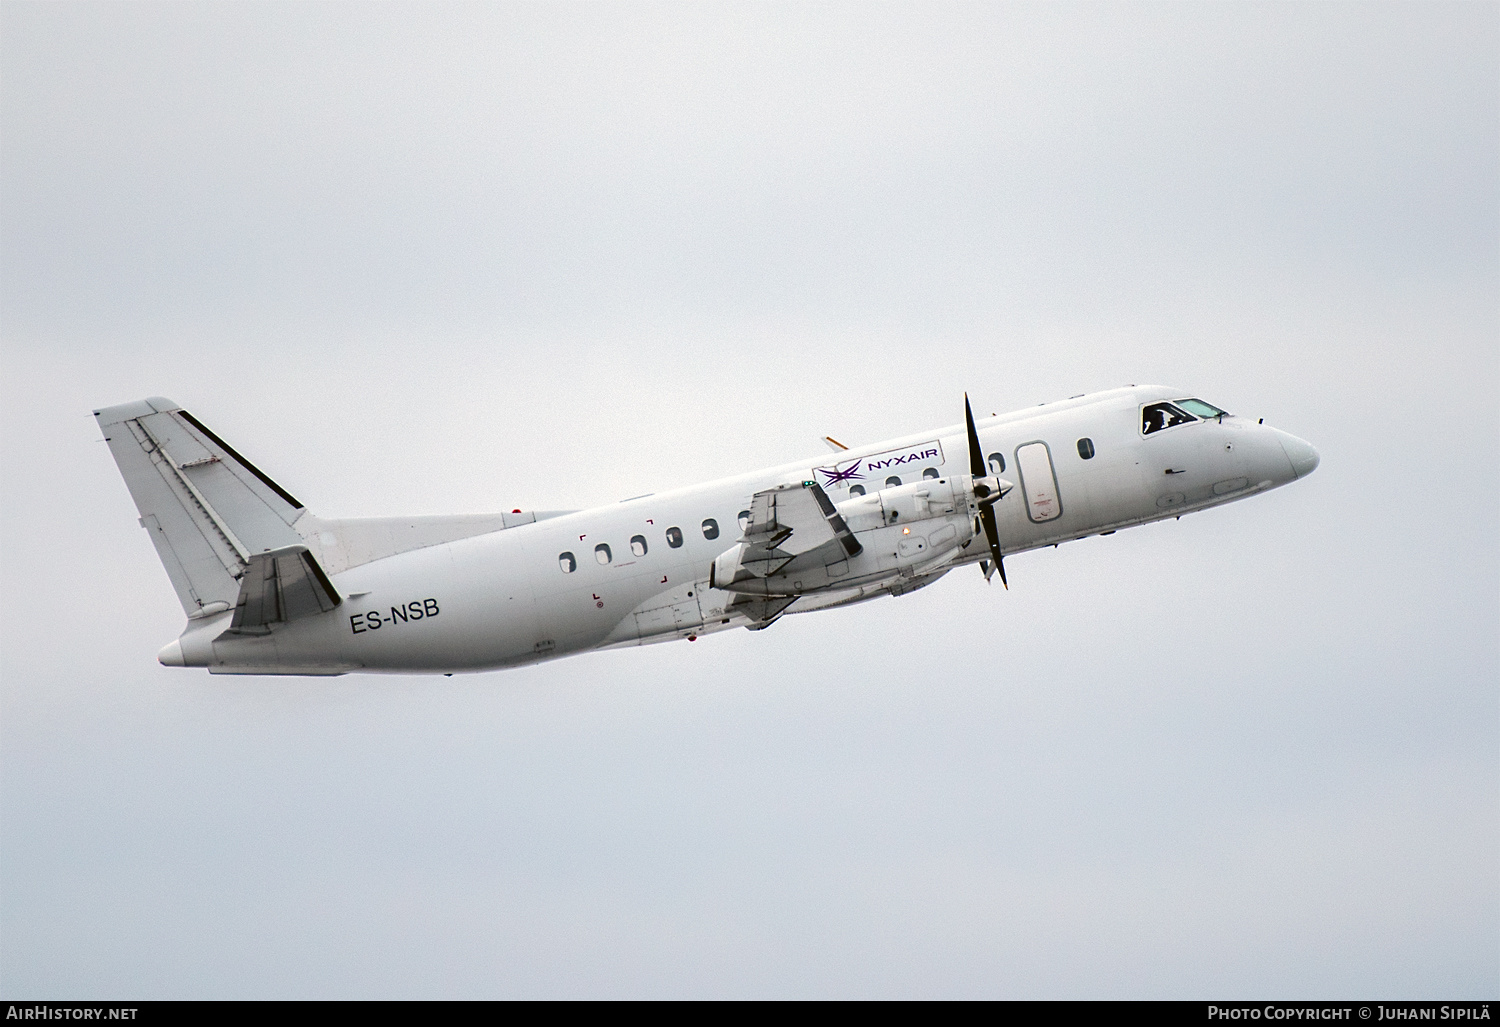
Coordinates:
(930, 497)
(727, 568)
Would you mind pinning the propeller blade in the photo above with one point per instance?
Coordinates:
(986, 502)
(992, 535)
(976, 458)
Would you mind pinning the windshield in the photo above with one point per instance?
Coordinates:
(1159, 416)
(1202, 409)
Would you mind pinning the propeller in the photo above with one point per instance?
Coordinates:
(986, 490)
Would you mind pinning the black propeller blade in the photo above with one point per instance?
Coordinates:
(976, 458)
(992, 532)
(982, 493)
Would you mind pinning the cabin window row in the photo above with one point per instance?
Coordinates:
(604, 555)
(996, 462)
(895, 480)
(638, 546)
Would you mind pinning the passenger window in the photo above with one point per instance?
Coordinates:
(710, 528)
(674, 538)
(856, 490)
(1086, 448)
(892, 481)
(744, 520)
(638, 545)
(997, 463)
(602, 553)
(930, 472)
(1160, 416)
(567, 563)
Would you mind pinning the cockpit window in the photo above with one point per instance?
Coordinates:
(1159, 416)
(1202, 409)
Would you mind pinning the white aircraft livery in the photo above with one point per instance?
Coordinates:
(270, 588)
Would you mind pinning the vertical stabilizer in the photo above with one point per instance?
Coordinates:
(208, 509)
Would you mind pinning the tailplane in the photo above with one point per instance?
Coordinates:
(281, 586)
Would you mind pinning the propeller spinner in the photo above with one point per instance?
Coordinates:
(987, 489)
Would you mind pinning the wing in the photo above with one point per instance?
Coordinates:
(789, 525)
(790, 520)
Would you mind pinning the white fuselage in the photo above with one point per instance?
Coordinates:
(507, 598)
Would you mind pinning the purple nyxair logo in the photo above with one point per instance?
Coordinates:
(839, 475)
(927, 454)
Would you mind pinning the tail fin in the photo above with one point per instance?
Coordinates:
(208, 509)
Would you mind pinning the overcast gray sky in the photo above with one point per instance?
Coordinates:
(432, 258)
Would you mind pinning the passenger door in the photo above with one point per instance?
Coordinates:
(1038, 482)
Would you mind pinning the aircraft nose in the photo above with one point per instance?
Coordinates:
(1303, 457)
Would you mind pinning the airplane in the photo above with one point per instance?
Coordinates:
(268, 587)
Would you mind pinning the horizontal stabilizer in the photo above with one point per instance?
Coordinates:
(280, 586)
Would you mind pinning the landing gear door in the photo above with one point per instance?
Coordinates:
(1038, 482)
